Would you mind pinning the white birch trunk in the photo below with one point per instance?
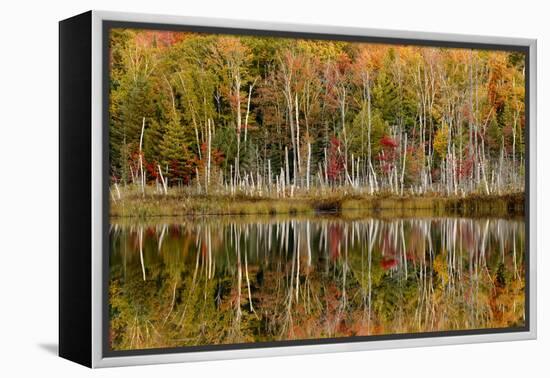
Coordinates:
(404, 162)
(142, 177)
(141, 253)
(209, 156)
(297, 139)
(163, 182)
(308, 164)
(248, 110)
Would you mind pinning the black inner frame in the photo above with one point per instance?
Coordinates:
(107, 25)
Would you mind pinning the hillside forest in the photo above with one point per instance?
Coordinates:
(281, 117)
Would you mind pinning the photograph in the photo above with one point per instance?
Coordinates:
(287, 189)
(284, 188)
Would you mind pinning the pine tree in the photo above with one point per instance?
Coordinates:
(175, 154)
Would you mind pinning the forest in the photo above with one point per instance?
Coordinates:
(199, 114)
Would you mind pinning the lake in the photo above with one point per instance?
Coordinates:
(230, 279)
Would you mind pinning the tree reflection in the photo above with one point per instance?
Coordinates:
(215, 280)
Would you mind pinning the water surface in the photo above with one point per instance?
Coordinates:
(225, 280)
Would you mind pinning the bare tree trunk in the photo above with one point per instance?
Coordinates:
(289, 98)
(198, 179)
(231, 180)
(482, 164)
(237, 90)
(404, 162)
(308, 164)
(193, 118)
(287, 174)
(117, 190)
(455, 172)
(269, 174)
(326, 164)
(298, 160)
(142, 177)
(164, 184)
(248, 109)
(514, 173)
(344, 133)
(207, 181)
(369, 128)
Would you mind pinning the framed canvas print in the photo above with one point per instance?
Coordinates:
(234, 189)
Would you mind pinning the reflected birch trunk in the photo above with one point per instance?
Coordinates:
(141, 252)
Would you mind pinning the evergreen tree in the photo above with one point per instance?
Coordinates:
(175, 154)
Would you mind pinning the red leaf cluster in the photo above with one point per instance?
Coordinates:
(389, 153)
(335, 163)
(388, 142)
(388, 263)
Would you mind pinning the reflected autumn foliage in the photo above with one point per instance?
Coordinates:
(217, 280)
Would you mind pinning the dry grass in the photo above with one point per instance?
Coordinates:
(181, 202)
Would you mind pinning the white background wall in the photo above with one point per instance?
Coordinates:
(28, 190)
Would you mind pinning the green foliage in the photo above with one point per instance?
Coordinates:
(494, 137)
(174, 152)
(359, 136)
(385, 97)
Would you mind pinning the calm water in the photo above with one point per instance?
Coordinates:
(217, 280)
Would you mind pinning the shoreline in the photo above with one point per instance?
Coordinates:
(473, 205)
